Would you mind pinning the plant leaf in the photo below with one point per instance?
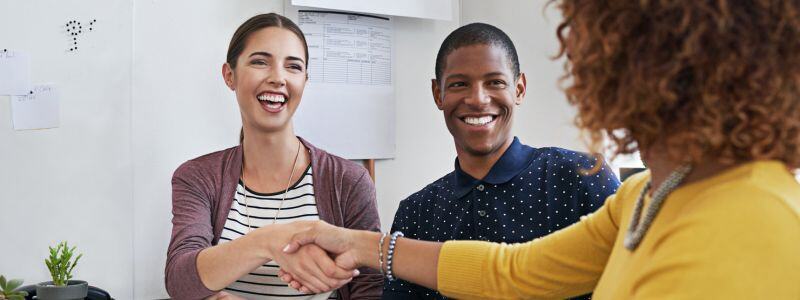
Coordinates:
(2, 281)
(13, 284)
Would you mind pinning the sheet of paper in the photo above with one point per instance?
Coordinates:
(428, 9)
(348, 48)
(15, 72)
(348, 103)
(38, 110)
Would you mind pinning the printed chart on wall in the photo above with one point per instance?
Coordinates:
(348, 103)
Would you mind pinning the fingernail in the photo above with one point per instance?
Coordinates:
(286, 249)
(356, 272)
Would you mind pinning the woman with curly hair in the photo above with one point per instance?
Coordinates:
(709, 92)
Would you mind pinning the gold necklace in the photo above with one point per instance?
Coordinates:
(288, 185)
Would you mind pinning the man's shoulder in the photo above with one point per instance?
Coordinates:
(566, 157)
(436, 190)
(571, 165)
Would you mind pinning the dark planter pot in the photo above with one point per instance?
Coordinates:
(75, 289)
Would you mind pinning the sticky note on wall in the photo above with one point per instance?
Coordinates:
(37, 110)
(15, 72)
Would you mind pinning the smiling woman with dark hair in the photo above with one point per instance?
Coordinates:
(709, 92)
(231, 207)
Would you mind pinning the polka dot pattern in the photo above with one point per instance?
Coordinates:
(527, 194)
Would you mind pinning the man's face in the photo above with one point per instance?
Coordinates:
(477, 93)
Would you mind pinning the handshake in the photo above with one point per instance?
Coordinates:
(317, 257)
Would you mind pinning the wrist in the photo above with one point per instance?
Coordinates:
(267, 241)
(366, 247)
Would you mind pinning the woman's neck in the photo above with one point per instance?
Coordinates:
(269, 158)
(661, 167)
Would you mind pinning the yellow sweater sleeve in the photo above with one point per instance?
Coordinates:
(566, 263)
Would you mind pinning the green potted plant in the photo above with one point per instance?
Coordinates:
(61, 263)
(7, 289)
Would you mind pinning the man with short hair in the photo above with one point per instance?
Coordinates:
(501, 190)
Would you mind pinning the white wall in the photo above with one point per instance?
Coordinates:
(71, 183)
(130, 117)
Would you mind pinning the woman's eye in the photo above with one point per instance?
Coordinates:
(259, 62)
(296, 67)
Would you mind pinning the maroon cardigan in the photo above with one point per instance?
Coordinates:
(202, 193)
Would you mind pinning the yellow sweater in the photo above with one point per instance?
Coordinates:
(733, 236)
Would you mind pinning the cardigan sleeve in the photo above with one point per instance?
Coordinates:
(191, 233)
(566, 263)
(361, 212)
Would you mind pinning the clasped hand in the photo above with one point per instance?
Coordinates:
(327, 257)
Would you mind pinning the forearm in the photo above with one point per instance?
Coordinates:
(413, 260)
(223, 264)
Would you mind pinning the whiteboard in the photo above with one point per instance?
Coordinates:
(348, 105)
(429, 9)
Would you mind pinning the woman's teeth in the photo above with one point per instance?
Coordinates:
(478, 121)
(272, 98)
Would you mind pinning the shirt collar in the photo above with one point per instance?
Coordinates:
(516, 158)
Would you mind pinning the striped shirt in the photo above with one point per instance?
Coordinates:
(300, 204)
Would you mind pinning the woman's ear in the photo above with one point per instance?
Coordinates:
(227, 75)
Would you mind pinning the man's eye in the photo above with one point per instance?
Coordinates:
(456, 84)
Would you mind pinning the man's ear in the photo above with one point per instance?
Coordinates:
(522, 84)
(227, 75)
(437, 94)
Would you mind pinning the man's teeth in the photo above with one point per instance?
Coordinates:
(478, 121)
(272, 98)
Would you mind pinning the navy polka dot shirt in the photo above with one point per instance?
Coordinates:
(527, 194)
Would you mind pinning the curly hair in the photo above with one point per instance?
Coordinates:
(704, 79)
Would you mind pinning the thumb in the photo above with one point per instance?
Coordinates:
(346, 261)
(298, 240)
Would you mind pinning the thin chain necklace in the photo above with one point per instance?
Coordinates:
(288, 185)
(636, 231)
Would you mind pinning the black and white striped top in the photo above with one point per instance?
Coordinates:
(300, 204)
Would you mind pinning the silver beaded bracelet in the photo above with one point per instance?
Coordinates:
(380, 252)
(390, 255)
